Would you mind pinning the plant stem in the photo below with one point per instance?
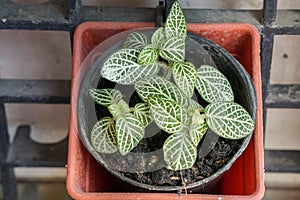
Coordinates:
(168, 71)
(203, 117)
(168, 74)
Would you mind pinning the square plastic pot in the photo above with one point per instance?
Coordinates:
(86, 179)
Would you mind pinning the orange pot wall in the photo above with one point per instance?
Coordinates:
(86, 179)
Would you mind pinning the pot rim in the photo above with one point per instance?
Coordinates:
(204, 181)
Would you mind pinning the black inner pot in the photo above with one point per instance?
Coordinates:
(215, 155)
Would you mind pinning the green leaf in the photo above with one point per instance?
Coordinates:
(173, 49)
(194, 106)
(122, 67)
(168, 115)
(198, 126)
(229, 120)
(135, 40)
(105, 97)
(103, 136)
(212, 85)
(195, 115)
(129, 132)
(158, 37)
(148, 55)
(197, 130)
(185, 76)
(142, 113)
(175, 23)
(179, 151)
(158, 86)
(119, 108)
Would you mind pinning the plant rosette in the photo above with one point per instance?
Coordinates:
(166, 110)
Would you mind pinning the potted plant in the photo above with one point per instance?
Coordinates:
(163, 80)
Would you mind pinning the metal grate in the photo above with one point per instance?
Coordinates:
(65, 15)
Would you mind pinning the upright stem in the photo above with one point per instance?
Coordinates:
(168, 71)
(168, 74)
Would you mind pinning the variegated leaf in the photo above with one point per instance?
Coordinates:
(229, 120)
(105, 97)
(195, 114)
(142, 113)
(197, 130)
(185, 76)
(194, 106)
(198, 126)
(122, 67)
(173, 49)
(158, 86)
(119, 108)
(179, 151)
(148, 55)
(212, 85)
(175, 23)
(135, 40)
(158, 37)
(168, 115)
(129, 131)
(103, 136)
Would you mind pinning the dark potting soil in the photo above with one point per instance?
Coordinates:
(146, 164)
(221, 152)
(147, 167)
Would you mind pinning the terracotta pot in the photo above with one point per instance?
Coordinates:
(88, 180)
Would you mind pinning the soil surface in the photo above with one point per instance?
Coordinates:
(221, 152)
(146, 164)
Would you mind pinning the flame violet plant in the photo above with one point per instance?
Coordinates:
(167, 97)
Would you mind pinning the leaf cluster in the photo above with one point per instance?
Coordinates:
(166, 83)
